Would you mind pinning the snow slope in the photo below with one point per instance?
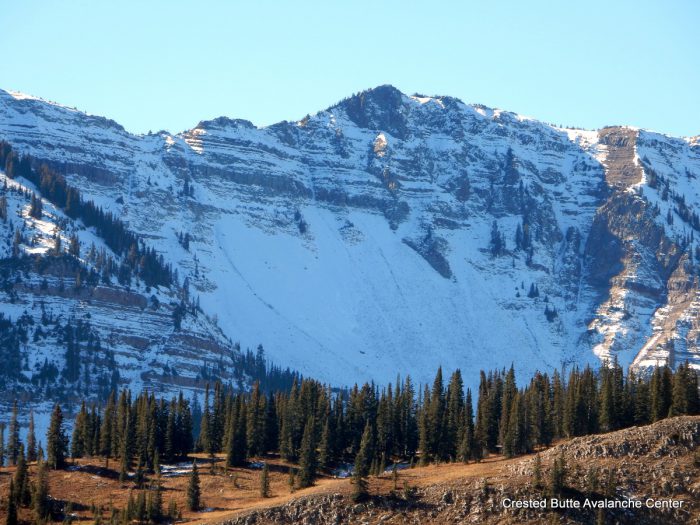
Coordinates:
(356, 244)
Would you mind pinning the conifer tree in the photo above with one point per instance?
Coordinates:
(107, 429)
(236, 453)
(155, 504)
(80, 429)
(509, 391)
(13, 440)
(21, 480)
(56, 441)
(11, 518)
(468, 447)
(537, 472)
(558, 476)
(193, 490)
(362, 462)
(324, 450)
(40, 496)
(308, 459)
(265, 481)
(31, 439)
(454, 424)
(291, 479)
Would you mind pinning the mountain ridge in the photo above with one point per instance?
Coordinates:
(329, 233)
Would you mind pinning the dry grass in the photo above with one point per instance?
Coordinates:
(225, 492)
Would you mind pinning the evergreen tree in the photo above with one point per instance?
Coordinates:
(308, 458)
(13, 441)
(193, 490)
(236, 453)
(21, 480)
(454, 424)
(324, 451)
(31, 439)
(56, 441)
(497, 244)
(558, 476)
(537, 472)
(80, 433)
(40, 496)
(155, 504)
(468, 447)
(362, 462)
(265, 482)
(11, 518)
(291, 479)
(684, 397)
(509, 392)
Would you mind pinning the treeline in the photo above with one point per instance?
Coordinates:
(138, 259)
(318, 429)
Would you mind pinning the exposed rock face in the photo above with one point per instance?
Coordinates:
(391, 233)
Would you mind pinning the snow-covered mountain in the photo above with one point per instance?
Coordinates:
(67, 333)
(391, 233)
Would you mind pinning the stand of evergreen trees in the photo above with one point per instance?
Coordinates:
(317, 428)
(311, 424)
(139, 260)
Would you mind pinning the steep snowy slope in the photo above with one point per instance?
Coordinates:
(67, 333)
(389, 234)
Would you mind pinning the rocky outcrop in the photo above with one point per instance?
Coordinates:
(656, 463)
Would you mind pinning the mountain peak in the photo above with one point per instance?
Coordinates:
(380, 108)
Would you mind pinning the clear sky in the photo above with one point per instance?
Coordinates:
(154, 65)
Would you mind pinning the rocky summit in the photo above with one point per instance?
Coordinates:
(388, 233)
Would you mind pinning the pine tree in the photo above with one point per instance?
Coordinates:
(11, 518)
(193, 490)
(308, 459)
(324, 449)
(155, 504)
(13, 441)
(78, 443)
(291, 479)
(467, 450)
(31, 439)
(537, 472)
(21, 480)
(56, 441)
(140, 475)
(454, 424)
(684, 391)
(40, 496)
(497, 245)
(362, 461)
(509, 392)
(107, 429)
(558, 476)
(265, 482)
(236, 453)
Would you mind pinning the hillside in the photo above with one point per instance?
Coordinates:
(657, 461)
(392, 233)
(75, 324)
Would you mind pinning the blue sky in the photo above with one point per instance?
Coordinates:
(167, 65)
